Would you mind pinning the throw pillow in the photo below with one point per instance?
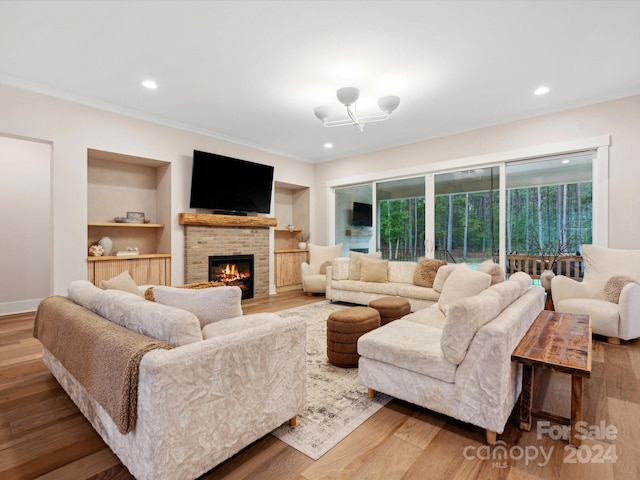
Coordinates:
(354, 263)
(461, 283)
(373, 270)
(614, 286)
(323, 268)
(122, 282)
(208, 304)
(493, 269)
(442, 275)
(426, 270)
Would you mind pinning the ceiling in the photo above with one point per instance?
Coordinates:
(252, 72)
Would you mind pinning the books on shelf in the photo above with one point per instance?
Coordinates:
(127, 253)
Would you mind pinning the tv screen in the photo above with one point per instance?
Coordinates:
(226, 184)
(362, 213)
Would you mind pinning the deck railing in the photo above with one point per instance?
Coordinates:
(571, 266)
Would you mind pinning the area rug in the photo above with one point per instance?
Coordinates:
(336, 401)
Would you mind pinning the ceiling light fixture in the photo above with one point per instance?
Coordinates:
(348, 96)
(541, 90)
(328, 145)
(150, 84)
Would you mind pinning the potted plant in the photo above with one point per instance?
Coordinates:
(303, 238)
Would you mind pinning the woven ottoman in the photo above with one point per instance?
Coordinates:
(390, 308)
(344, 328)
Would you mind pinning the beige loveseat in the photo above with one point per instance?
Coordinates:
(208, 385)
(455, 356)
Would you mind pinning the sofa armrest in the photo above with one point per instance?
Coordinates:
(629, 302)
(563, 288)
(306, 270)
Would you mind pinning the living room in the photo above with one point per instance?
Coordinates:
(69, 129)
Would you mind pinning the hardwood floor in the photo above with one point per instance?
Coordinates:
(43, 435)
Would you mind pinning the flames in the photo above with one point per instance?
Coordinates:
(230, 274)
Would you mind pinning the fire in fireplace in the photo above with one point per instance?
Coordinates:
(233, 270)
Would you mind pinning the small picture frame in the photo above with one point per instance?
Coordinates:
(135, 217)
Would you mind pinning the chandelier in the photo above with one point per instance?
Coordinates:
(348, 96)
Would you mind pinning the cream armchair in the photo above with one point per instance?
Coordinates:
(314, 278)
(609, 292)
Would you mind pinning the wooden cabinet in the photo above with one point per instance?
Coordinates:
(152, 269)
(287, 268)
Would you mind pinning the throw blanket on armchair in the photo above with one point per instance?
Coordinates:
(103, 356)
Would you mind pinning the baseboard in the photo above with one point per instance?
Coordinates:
(9, 308)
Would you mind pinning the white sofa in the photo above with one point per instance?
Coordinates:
(227, 382)
(458, 361)
(609, 292)
(400, 283)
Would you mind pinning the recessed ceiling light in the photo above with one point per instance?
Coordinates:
(566, 160)
(150, 84)
(541, 90)
(328, 145)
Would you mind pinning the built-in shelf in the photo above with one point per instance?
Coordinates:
(290, 250)
(128, 257)
(295, 230)
(126, 225)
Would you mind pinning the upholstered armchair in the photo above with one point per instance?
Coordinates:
(609, 292)
(314, 278)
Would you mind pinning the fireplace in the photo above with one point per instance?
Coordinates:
(233, 270)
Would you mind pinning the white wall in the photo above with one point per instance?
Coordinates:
(619, 118)
(25, 216)
(73, 128)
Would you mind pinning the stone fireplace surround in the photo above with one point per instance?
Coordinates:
(213, 235)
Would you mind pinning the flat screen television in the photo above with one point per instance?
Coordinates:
(230, 185)
(362, 213)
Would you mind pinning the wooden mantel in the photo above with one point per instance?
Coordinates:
(213, 220)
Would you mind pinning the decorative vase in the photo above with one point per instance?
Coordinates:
(545, 279)
(302, 245)
(107, 244)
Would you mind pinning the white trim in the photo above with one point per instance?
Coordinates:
(21, 306)
(570, 146)
(600, 182)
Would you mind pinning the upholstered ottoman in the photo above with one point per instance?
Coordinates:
(390, 308)
(344, 328)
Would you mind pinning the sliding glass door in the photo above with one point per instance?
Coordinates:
(466, 218)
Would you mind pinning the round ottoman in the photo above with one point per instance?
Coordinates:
(344, 328)
(390, 308)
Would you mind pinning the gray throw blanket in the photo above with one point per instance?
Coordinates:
(101, 355)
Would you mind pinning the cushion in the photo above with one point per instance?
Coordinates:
(425, 272)
(614, 286)
(462, 282)
(354, 263)
(122, 282)
(464, 318)
(523, 279)
(208, 304)
(442, 275)
(373, 270)
(493, 269)
(162, 322)
(323, 267)
(320, 254)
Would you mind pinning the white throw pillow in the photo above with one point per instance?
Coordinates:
(493, 269)
(441, 276)
(462, 282)
(208, 304)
